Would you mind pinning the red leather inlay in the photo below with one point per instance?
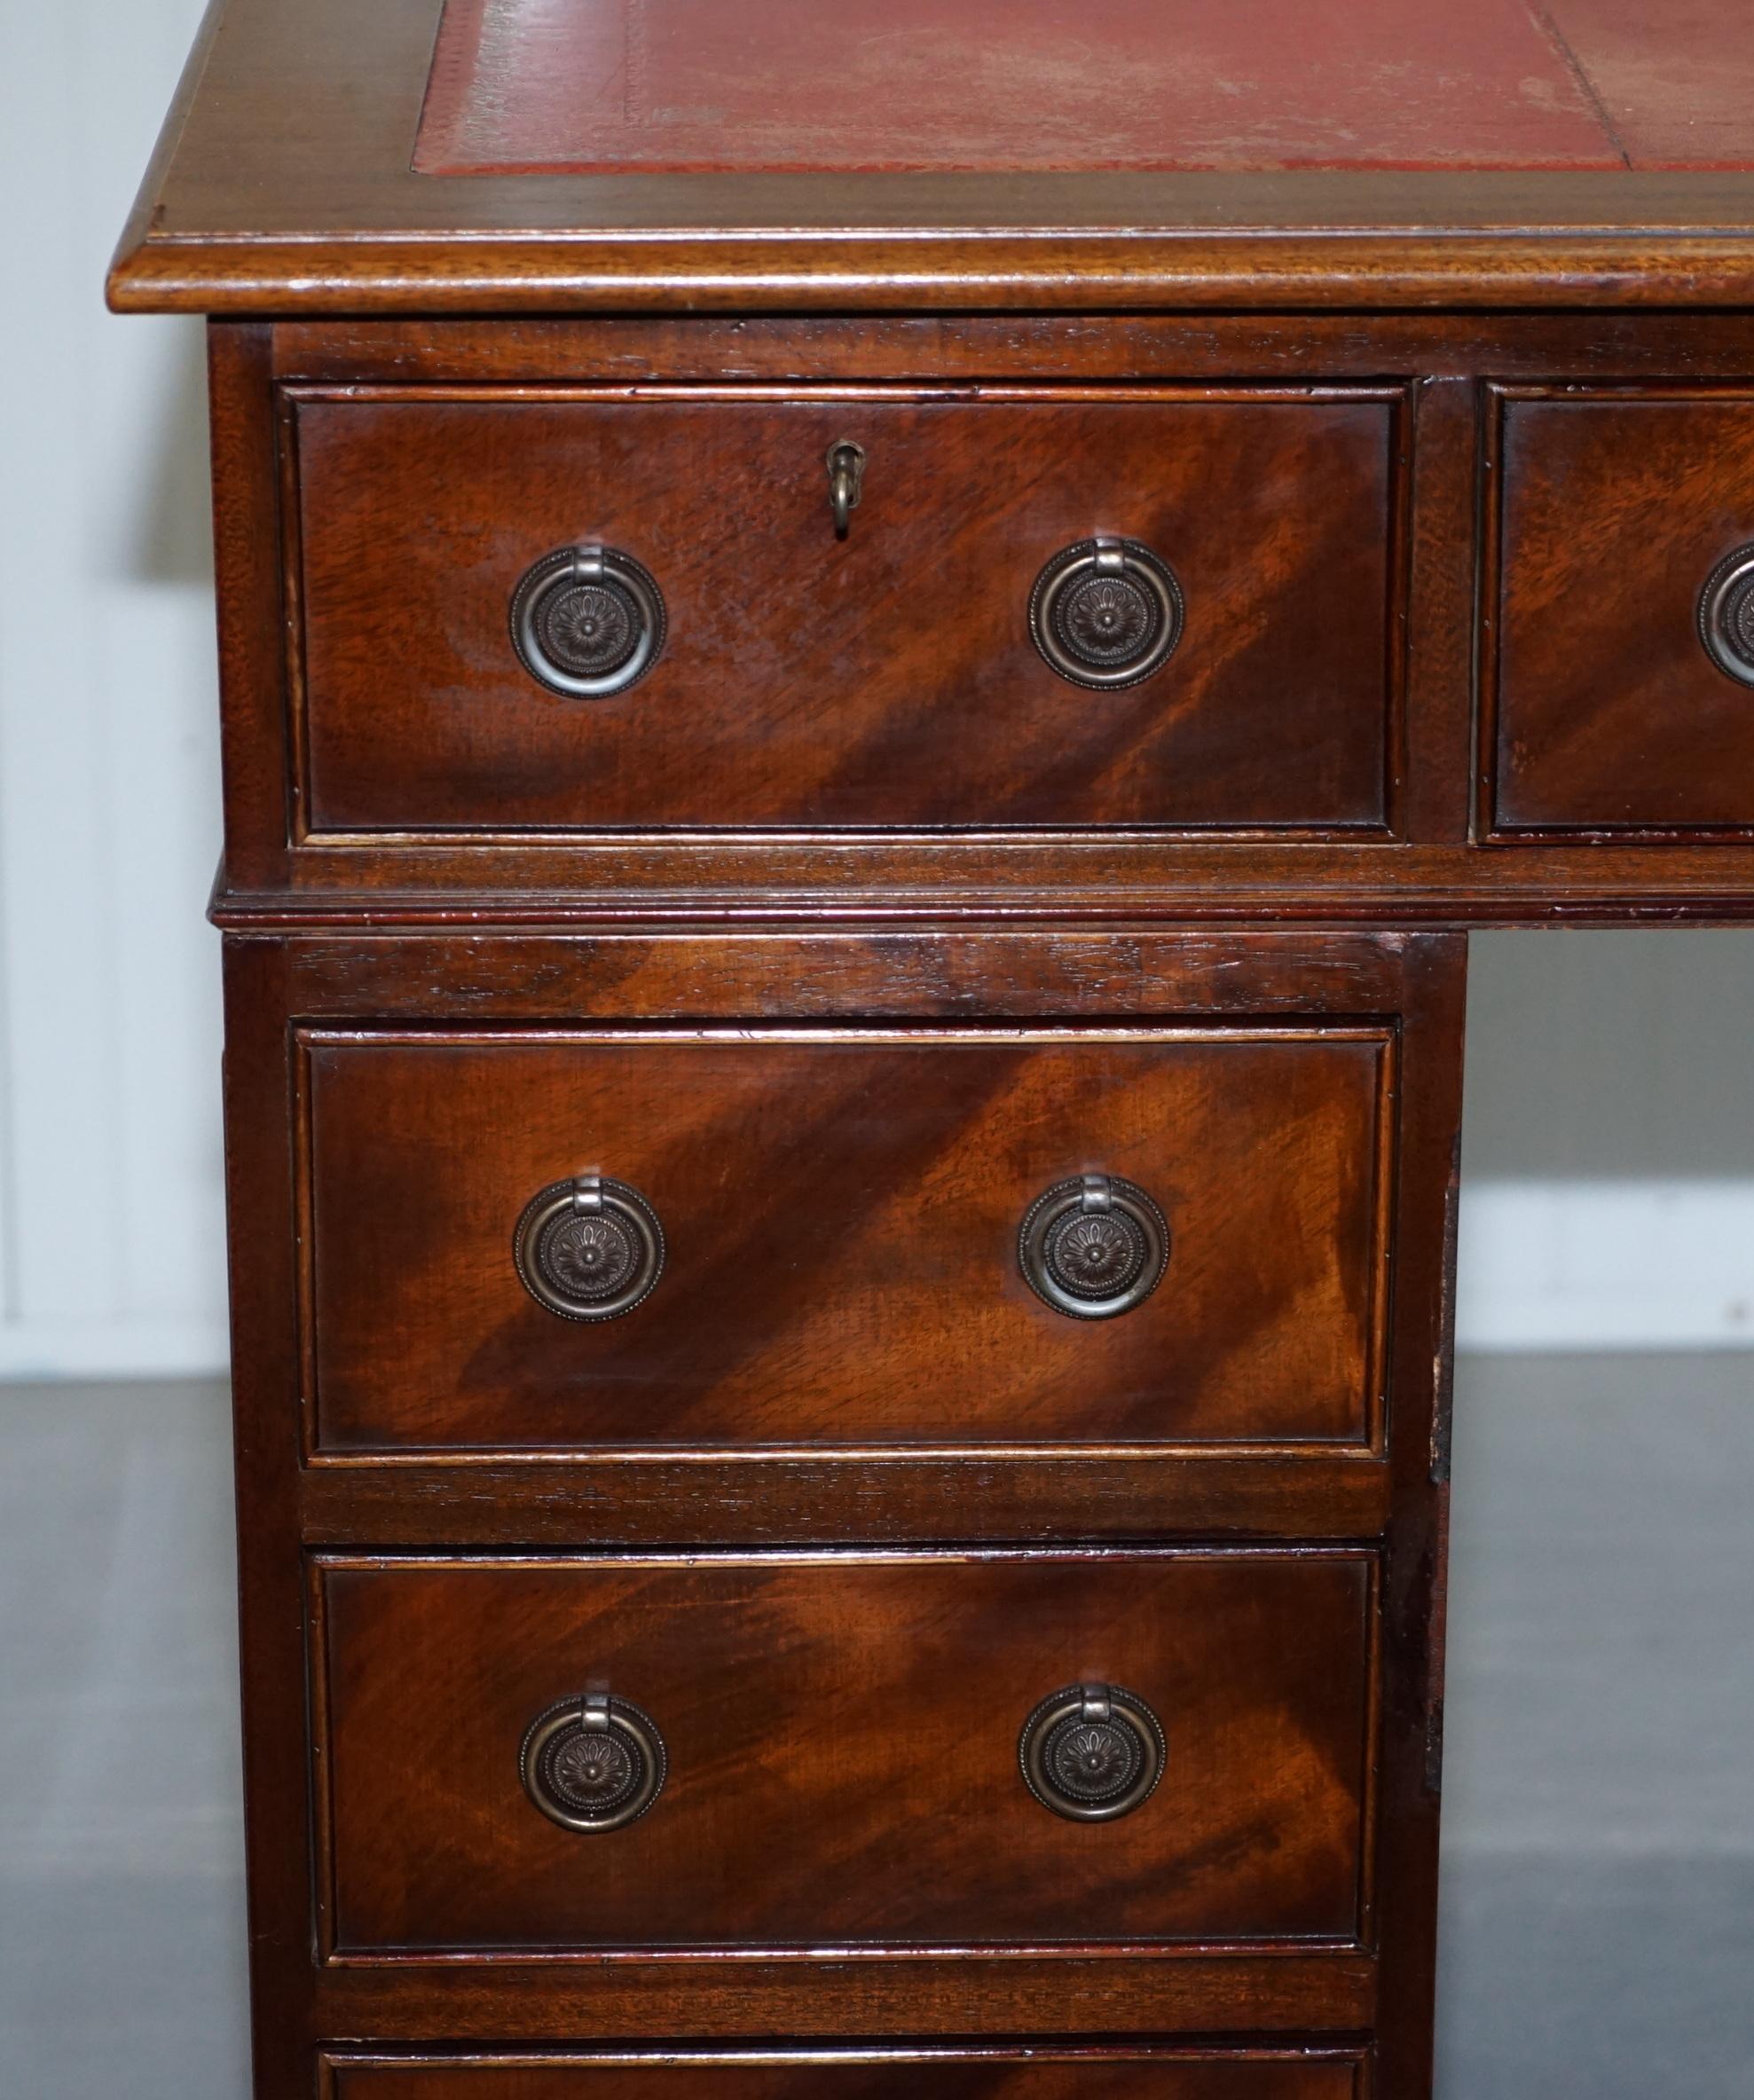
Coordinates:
(1674, 79)
(592, 86)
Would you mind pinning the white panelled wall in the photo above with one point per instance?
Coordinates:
(1610, 1134)
(110, 1253)
(1608, 1153)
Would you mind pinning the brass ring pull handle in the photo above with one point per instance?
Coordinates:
(587, 621)
(593, 1763)
(589, 1249)
(1093, 1247)
(1106, 612)
(846, 483)
(1727, 615)
(1092, 1752)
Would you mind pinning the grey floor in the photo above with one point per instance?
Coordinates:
(1598, 1932)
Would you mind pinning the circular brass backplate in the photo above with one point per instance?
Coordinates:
(1727, 615)
(1092, 1752)
(1106, 613)
(1093, 1264)
(589, 1249)
(592, 1778)
(587, 621)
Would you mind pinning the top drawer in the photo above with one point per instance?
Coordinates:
(1625, 676)
(887, 677)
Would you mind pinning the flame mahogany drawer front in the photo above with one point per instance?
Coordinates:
(732, 663)
(1625, 673)
(989, 2073)
(587, 1238)
(805, 1749)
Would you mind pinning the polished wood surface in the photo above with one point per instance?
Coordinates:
(842, 1733)
(990, 2074)
(1613, 510)
(841, 1215)
(910, 978)
(886, 679)
(284, 183)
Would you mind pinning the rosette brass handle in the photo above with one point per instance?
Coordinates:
(588, 1249)
(587, 621)
(1727, 615)
(1092, 1752)
(1093, 1247)
(593, 1763)
(1106, 612)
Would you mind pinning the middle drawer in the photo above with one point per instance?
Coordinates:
(575, 1239)
(792, 1750)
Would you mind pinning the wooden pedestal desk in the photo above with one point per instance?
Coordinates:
(874, 659)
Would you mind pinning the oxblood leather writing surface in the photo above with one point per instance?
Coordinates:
(590, 86)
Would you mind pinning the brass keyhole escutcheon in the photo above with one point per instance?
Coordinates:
(846, 483)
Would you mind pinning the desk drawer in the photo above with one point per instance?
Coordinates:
(803, 1750)
(885, 678)
(992, 2072)
(845, 1236)
(1626, 694)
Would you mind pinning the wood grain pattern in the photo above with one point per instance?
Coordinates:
(1597, 881)
(840, 969)
(272, 1657)
(842, 1734)
(1614, 511)
(910, 975)
(500, 2001)
(740, 1495)
(1085, 349)
(888, 679)
(982, 2073)
(841, 1215)
(248, 567)
(1410, 1713)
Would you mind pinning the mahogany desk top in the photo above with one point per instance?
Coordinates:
(500, 155)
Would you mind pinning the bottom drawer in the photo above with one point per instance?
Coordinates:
(866, 2074)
